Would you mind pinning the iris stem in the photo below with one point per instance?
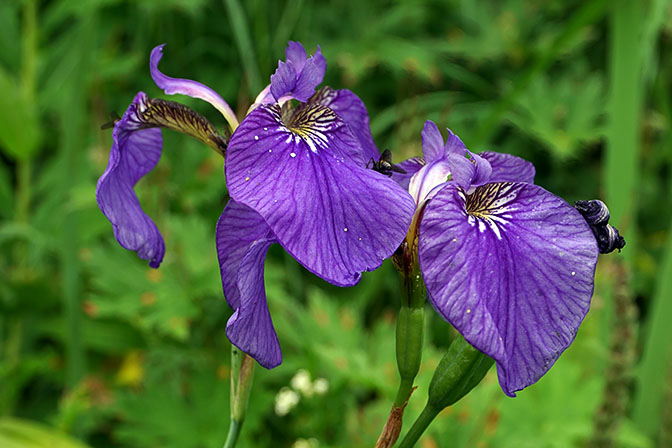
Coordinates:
(409, 336)
(242, 373)
(419, 427)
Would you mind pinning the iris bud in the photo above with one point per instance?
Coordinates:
(458, 372)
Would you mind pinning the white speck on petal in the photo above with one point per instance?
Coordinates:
(360, 238)
(256, 137)
(573, 273)
(265, 129)
(270, 150)
(247, 178)
(292, 155)
(345, 229)
(468, 310)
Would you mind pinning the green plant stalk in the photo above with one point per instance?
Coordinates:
(241, 34)
(460, 370)
(242, 373)
(419, 426)
(409, 336)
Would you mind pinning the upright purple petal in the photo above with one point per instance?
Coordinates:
(298, 77)
(242, 242)
(135, 152)
(454, 145)
(511, 267)
(508, 168)
(283, 80)
(305, 176)
(352, 110)
(188, 87)
(296, 54)
(432, 143)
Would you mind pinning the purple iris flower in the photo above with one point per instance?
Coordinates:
(296, 173)
(507, 263)
(297, 176)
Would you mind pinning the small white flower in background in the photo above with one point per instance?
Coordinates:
(321, 386)
(303, 443)
(285, 401)
(302, 383)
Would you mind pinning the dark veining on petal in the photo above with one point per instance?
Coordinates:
(310, 122)
(175, 116)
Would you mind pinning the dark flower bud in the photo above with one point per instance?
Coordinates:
(596, 214)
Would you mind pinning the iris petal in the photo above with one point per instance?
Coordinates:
(432, 143)
(305, 176)
(411, 166)
(352, 110)
(298, 77)
(511, 267)
(508, 168)
(188, 87)
(134, 153)
(243, 238)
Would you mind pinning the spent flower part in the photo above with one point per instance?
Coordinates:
(510, 265)
(136, 149)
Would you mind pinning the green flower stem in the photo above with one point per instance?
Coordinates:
(419, 427)
(242, 372)
(410, 323)
(460, 370)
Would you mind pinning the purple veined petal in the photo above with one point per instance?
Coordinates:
(298, 77)
(188, 87)
(311, 76)
(306, 178)
(283, 80)
(511, 267)
(432, 143)
(243, 238)
(483, 170)
(411, 166)
(454, 145)
(352, 110)
(508, 168)
(135, 152)
(296, 54)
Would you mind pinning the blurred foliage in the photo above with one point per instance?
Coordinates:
(95, 344)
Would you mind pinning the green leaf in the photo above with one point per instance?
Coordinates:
(16, 433)
(20, 130)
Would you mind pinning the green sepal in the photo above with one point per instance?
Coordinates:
(460, 370)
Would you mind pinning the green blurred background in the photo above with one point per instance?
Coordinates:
(98, 349)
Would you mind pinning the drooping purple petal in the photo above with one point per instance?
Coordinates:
(188, 87)
(243, 238)
(508, 168)
(305, 176)
(432, 143)
(135, 152)
(411, 166)
(511, 267)
(352, 110)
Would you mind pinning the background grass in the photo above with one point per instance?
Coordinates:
(97, 347)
